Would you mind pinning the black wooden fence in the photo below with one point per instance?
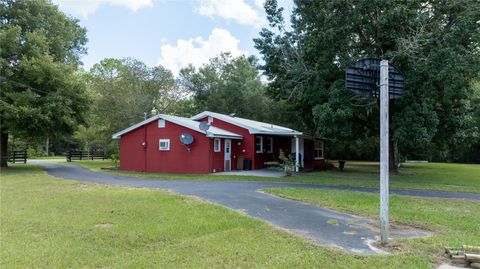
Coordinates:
(85, 155)
(18, 156)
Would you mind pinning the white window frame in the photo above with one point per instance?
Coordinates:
(215, 149)
(261, 144)
(315, 148)
(270, 150)
(167, 148)
(161, 123)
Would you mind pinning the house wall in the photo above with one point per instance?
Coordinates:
(218, 157)
(132, 153)
(279, 143)
(309, 158)
(177, 160)
(246, 149)
(240, 148)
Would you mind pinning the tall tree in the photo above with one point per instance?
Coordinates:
(228, 85)
(435, 43)
(123, 90)
(41, 93)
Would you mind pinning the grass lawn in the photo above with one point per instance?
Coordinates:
(49, 223)
(454, 223)
(431, 176)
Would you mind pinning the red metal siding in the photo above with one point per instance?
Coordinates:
(312, 163)
(177, 160)
(246, 149)
(201, 158)
(218, 157)
(132, 153)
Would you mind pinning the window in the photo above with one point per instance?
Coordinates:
(161, 123)
(259, 144)
(216, 145)
(318, 149)
(210, 119)
(269, 144)
(164, 144)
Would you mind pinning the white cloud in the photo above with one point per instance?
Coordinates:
(236, 10)
(197, 51)
(260, 3)
(87, 7)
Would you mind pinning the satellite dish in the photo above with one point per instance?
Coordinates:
(204, 126)
(186, 139)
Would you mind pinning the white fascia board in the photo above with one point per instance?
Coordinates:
(133, 127)
(279, 133)
(223, 118)
(225, 136)
(167, 118)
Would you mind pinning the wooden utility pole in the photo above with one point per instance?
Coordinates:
(384, 151)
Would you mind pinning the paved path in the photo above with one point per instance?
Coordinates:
(350, 233)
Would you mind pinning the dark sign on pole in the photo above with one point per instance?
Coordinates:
(363, 78)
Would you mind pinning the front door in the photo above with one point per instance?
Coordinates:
(228, 155)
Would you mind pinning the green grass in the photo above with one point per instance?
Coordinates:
(430, 176)
(454, 223)
(51, 223)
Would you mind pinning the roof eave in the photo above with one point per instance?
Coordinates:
(133, 127)
(280, 133)
(226, 136)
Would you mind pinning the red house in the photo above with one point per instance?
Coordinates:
(230, 143)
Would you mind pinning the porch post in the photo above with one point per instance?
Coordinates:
(297, 153)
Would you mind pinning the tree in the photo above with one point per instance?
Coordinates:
(228, 85)
(122, 91)
(435, 44)
(41, 92)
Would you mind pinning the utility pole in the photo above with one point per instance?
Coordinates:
(384, 152)
(363, 78)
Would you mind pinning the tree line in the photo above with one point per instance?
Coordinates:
(49, 102)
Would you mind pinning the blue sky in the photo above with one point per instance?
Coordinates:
(167, 32)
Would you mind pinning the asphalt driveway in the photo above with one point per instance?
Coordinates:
(323, 226)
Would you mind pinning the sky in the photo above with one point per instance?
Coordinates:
(171, 33)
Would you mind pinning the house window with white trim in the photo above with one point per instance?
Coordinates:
(318, 149)
(269, 144)
(164, 144)
(161, 123)
(216, 145)
(259, 144)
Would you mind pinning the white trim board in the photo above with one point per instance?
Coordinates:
(185, 122)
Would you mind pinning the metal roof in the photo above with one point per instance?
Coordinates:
(185, 122)
(254, 127)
